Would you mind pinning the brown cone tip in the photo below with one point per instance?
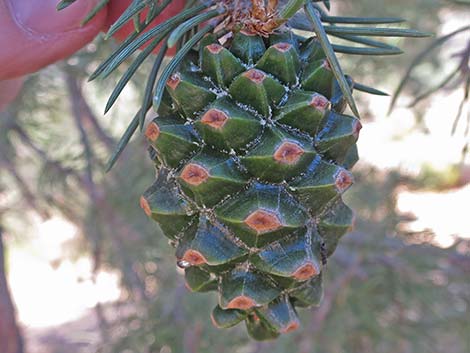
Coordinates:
(288, 153)
(343, 180)
(174, 81)
(294, 325)
(194, 257)
(241, 302)
(152, 132)
(214, 48)
(282, 47)
(187, 286)
(213, 321)
(326, 64)
(145, 206)
(305, 272)
(353, 223)
(194, 174)
(263, 221)
(214, 118)
(319, 102)
(255, 76)
(357, 128)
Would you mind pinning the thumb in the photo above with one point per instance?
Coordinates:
(34, 34)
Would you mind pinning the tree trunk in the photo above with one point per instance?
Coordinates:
(11, 340)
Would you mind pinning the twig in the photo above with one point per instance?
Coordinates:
(11, 340)
(27, 141)
(74, 92)
(78, 105)
(23, 186)
(103, 209)
(331, 293)
(107, 140)
(192, 338)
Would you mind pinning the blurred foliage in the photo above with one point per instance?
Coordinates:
(436, 64)
(431, 179)
(451, 72)
(385, 291)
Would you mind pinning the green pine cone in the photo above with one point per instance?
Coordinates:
(253, 156)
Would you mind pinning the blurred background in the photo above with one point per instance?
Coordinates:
(87, 271)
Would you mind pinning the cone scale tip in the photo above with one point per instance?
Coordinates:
(357, 129)
(241, 302)
(291, 327)
(255, 76)
(214, 48)
(194, 257)
(288, 153)
(194, 174)
(152, 132)
(214, 323)
(320, 102)
(145, 206)
(215, 118)
(263, 221)
(343, 180)
(305, 272)
(282, 47)
(326, 65)
(174, 81)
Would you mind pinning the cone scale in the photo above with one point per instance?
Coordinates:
(253, 154)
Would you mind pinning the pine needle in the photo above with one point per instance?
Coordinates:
(147, 100)
(99, 6)
(368, 89)
(189, 24)
(129, 73)
(64, 4)
(314, 16)
(376, 32)
(438, 42)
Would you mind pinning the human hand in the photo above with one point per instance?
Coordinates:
(33, 34)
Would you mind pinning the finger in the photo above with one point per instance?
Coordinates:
(34, 34)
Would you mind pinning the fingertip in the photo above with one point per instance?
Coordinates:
(42, 17)
(36, 34)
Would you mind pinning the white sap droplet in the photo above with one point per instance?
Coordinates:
(183, 264)
(189, 212)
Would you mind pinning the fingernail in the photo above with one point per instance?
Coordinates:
(42, 16)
